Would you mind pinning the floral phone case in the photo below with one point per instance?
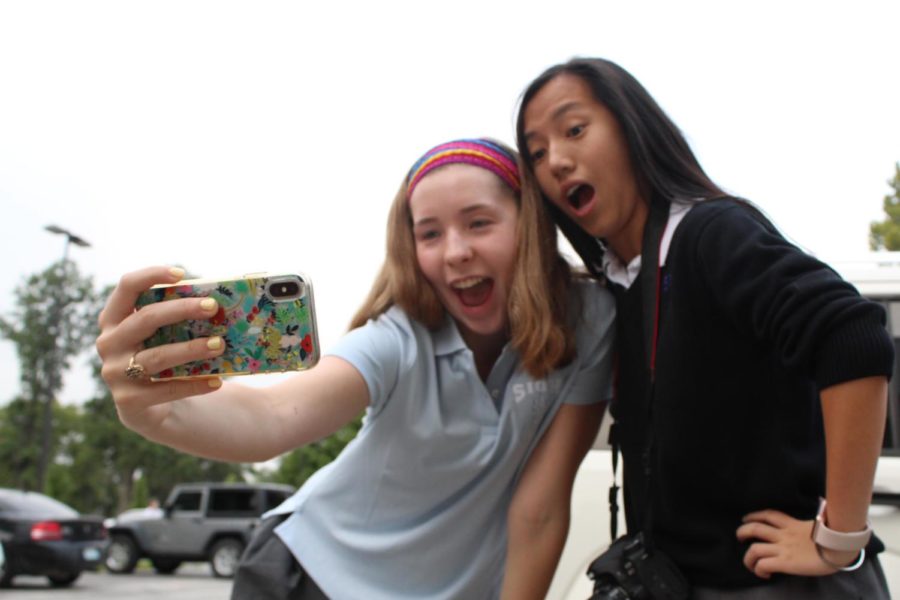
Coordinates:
(267, 322)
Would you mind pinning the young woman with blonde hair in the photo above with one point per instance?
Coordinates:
(482, 369)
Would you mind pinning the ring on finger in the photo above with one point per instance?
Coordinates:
(135, 370)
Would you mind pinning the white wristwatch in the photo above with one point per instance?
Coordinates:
(852, 541)
(825, 538)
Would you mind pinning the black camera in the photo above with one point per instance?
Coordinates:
(630, 570)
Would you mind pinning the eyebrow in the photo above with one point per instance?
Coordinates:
(557, 113)
(469, 209)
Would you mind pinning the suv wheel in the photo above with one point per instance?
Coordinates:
(165, 566)
(122, 554)
(225, 556)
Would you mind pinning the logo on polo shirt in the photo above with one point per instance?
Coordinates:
(521, 391)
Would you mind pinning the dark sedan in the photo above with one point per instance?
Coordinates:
(42, 536)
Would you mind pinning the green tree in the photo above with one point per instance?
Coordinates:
(298, 465)
(68, 479)
(18, 452)
(141, 492)
(92, 462)
(885, 235)
(121, 469)
(53, 322)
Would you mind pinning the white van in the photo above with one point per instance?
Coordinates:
(877, 276)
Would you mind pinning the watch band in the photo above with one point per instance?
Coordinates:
(857, 564)
(853, 541)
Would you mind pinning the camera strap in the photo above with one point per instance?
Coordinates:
(650, 280)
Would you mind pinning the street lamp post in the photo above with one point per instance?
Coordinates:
(54, 376)
(70, 238)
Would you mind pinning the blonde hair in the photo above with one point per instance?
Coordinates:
(538, 299)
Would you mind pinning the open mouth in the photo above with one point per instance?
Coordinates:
(473, 291)
(579, 195)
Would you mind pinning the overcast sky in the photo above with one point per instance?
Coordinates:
(235, 137)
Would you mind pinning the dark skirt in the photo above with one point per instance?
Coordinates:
(268, 570)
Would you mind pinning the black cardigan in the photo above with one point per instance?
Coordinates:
(751, 329)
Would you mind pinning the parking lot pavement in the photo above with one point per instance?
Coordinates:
(191, 582)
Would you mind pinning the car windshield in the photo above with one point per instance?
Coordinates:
(33, 505)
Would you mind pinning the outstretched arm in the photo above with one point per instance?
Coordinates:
(854, 413)
(538, 518)
(225, 422)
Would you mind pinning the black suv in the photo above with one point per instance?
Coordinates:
(200, 521)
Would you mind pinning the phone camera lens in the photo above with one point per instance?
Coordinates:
(285, 289)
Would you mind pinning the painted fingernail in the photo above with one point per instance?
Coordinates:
(177, 272)
(208, 304)
(214, 383)
(214, 343)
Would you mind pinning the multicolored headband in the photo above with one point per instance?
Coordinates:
(479, 152)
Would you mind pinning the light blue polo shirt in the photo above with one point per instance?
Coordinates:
(415, 506)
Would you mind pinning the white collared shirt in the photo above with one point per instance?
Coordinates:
(625, 275)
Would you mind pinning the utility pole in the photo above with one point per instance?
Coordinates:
(54, 376)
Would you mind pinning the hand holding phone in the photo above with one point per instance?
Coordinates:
(267, 323)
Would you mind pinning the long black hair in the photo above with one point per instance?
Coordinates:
(664, 164)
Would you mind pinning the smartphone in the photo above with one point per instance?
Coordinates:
(267, 322)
